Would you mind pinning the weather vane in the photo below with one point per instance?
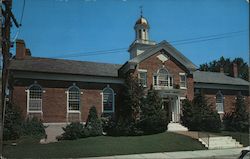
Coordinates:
(141, 7)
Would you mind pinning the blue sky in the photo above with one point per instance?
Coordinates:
(60, 28)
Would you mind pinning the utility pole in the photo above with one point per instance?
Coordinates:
(6, 23)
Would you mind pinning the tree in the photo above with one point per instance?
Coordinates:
(153, 117)
(132, 99)
(200, 116)
(237, 120)
(93, 124)
(187, 113)
(227, 66)
(12, 123)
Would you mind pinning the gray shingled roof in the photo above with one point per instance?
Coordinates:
(65, 66)
(218, 78)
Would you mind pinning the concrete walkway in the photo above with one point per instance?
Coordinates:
(225, 153)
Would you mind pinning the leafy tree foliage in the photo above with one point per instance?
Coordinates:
(238, 120)
(15, 126)
(12, 123)
(227, 66)
(200, 117)
(153, 117)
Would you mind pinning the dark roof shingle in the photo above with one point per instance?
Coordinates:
(49, 65)
(218, 78)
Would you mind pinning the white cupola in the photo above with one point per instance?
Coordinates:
(141, 42)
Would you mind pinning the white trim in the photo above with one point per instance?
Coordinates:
(28, 99)
(73, 111)
(183, 74)
(182, 98)
(142, 70)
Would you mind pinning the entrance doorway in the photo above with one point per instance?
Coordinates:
(171, 107)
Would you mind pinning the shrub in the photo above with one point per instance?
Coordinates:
(199, 116)
(74, 130)
(12, 123)
(153, 117)
(124, 127)
(94, 124)
(237, 120)
(33, 127)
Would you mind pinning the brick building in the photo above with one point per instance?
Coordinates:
(61, 91)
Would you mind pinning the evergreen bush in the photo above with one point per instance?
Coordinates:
(198, 115)
(94, 124)
(153, 117)
(73, 131)
(12, 123)
(33, 127)
(237, 120)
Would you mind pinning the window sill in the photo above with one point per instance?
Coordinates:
(73, 111)
(108, 111)
(183, 87)
(35, 111)
(221, 112)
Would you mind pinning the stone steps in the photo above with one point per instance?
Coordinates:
(176, 127)
(220, 142)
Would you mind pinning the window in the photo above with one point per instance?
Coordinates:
(164, 79)
(34, 98)
(183, 80)
(108, 100)
(140, 34)
(143, 78)
(74, 98)
(219, 102)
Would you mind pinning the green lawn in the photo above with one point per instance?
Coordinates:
(103, 146)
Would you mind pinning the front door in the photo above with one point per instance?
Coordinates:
(169, 105)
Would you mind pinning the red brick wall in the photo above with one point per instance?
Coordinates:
(54, 102)
(153, 64)
(229, 102)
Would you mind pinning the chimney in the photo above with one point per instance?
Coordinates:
(21, 50)
(235, 70)
(221, 70)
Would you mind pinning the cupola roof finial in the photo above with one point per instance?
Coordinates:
(141, 7)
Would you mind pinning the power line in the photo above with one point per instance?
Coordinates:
(176, 42)
(20, 23)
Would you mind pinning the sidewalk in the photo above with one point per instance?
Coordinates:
(224, 153)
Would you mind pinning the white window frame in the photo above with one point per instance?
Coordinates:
(183, 74)
(67, 92)
(221, 103)
(170, 80)
(139, 78)
(113, 102)
(28, 99)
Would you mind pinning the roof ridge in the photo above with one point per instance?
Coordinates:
(46, 58)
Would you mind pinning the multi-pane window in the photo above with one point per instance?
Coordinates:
(74, 99)
(35, 98)
(108, 100)
(155, 80)
(164, 79)
(219, 102)
(143, 78)
(183, 80)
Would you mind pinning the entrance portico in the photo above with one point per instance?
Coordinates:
(171, 103)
